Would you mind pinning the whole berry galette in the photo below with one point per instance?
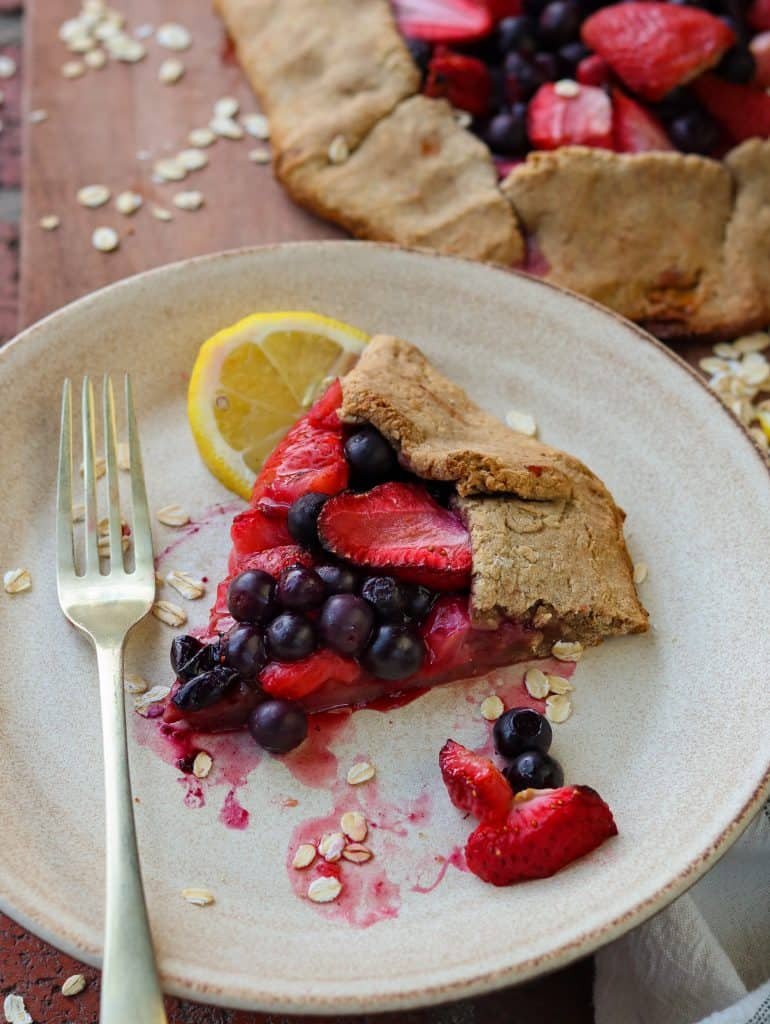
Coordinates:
(618, 150)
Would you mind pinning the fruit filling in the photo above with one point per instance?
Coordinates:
(629, 77)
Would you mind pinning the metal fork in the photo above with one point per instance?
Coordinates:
(105, 608)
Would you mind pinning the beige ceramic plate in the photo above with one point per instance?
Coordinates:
(670, 727)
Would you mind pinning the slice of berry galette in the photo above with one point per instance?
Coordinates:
(399, 536)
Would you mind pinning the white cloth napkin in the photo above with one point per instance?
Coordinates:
(705, 958)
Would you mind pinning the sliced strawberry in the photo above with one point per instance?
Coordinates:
(593, 70)
(500, 9)
(445, 632)
(400, 528)
(260, 527)
(760, 50)
(758, 15)
(654, 47)
(474, 783)
(635, 129)
(464, 81)
(540, 836)
(583, 119)
(296, 679)
(325, 410)
(742, 110)
(443, 21)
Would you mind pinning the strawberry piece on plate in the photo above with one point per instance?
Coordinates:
(568, 114)
(443, 21)
(463, 80)
(743, 111)
(540, 836)
(262, 526)
(758, 15)
(593, 70)
(655, 47)
(474, 783)
(400, 528)
(296, 679)
(636, 130)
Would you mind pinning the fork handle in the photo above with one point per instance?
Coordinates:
(130, 989)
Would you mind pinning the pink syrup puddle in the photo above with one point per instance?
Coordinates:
(232, 814)
(209, 517)
(397, 700)
(314, 764)
(456, 859)
(535, 262)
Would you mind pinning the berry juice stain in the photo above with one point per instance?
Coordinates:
(456, 859)
(210, 517)
(233, 815)
(314, 763)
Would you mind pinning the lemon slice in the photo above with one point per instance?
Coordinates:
(252, 380)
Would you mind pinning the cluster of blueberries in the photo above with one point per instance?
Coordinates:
(523, 737)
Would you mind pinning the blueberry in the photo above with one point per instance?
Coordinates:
(521, 729)
(386, 596)
(370, 456)
(205, 689)
(419, 601)
(441, 491)
(534, 8)
(421, 53)
(183, 650)
(737, 65)
(245, 651)
(396, 652)
(694, 132)
(547, 64)
(516, 33)
(534, 770)
(559, 22)
(251, 596)
(338, 579)
(522, 78)
(346, 624)
(677, 101)
(303, 518)
(290, 637)
(278, 725)
(300, 589)
(569, 56)
(506, 133)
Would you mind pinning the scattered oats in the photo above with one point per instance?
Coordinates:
(564, 650)
(100, 467)
(353, 824)
(724, 350)
(70, 28)
(640, 572)
(752, 343)
(7, 66)
(357, 853)
(202, 764)
(536, 683)
(73, 69)
(331, 846)
(169, 169)
(159, 581)
(74, 985)
(16, 580)
(338, 151)
(78, 513)
(227, 107)
(95, 59)
(93, 196)
(109, 30)
(198, 897)
(50, 222)
(15, 1011)
(566, 88)
(192, 159)
(103, 526)
(81, 43)
(760, 437)
(521, 422)
(559, 685)
(169, 613)
(135, 683)
(711, 364)
(144, 31)
(558, 708)
(105, 239)
(123, 453)
(260, 155)
(226, 128)
(361, 771)
(463, 118)
(126, 49)
(324, 889)
(103, 545)
(172, 515)
(160, 214)
(191, 200)
(201, 137)
(256, 125)
(754, 369)
(303, 856)
(170, 71)
(185, 584)
(173, 36)
(128, 203)
(143, 701)
(38, 116)
(491, 708)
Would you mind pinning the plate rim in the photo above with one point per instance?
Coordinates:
(426, 993)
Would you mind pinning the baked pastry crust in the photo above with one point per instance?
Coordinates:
(548, 550)
(678, 243)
